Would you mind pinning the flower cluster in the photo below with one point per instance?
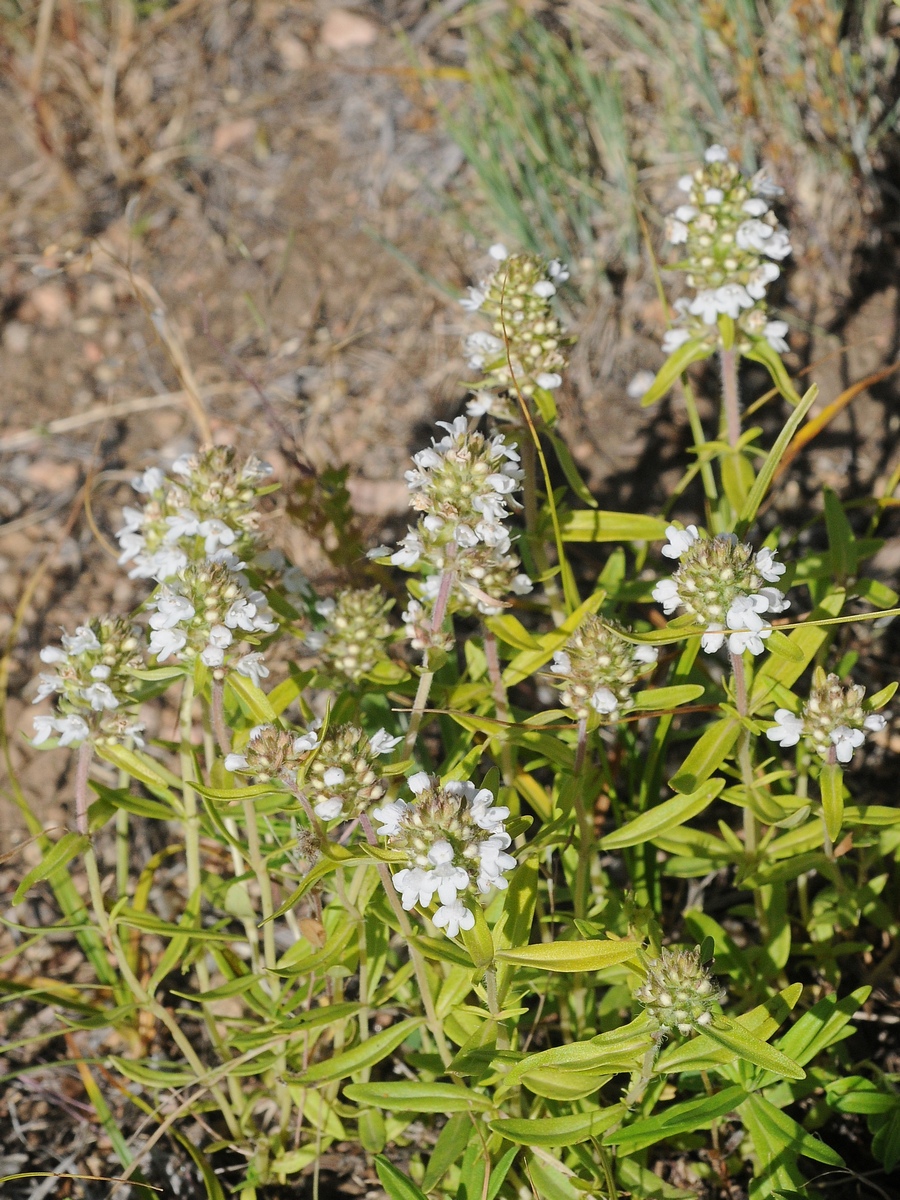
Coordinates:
(597, 667)
(273, 753)
(463, 486)
(832, 722)
(455, 842)
(205, 611)
(732, 246)
(354, 637)
(343, 778)
(93, 674)
(205, 508)
(720, 583)
(678, 992)
(523, 349)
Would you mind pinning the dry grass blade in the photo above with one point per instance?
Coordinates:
(816, 424)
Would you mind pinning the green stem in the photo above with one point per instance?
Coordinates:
(585, 826)
(536, 545)
(426, 678)
(501, 703)
(189, 796)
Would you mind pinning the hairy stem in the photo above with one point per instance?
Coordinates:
(501, 703)
(82, 772)
(585, 826)
(731, 401)
(425, 679)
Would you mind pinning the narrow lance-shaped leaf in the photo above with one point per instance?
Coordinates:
(831, 784)
(591, 955)
(753, 1049)
(663, 817)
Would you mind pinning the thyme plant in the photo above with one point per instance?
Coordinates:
(543, 885)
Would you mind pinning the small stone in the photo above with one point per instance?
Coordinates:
(343, 30)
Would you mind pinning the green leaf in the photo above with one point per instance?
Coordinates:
(397, 1185)
(762, 352)
(773, 458)
(512, 632)
(753, 1049)
(707, 755)
(880, 699)
(841, 540)
(141, 767)
(478, 940)
(666, 697)
(831, 785)
(558, 1131)
(584, 525)
(154, 1077)
(451, 1145)
(56, 858)
(663, 817)
(366, 1054)
(676, 364)
(822, 1026)
(780, 644)
(570, 470)
(644, 1184)
(253, 699)
(591, 955)
(784, 1130)
(680, 1118)
(408, 1095)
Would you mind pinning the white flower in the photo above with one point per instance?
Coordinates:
(646, 654)
(334, 777)
(762, 185)
(409, 552)
(216, 533)
(253, 667)
(767, 566)
(779, 244)
(604, 701)
(326, 607)
(676, 232)
(166, 642)
(182, 465)
(100, 696)
(777, 601)
(498, 251)
(750, 640)
(558, 270)
(150, 481)
(235, 762)
(481, 347)
(44, 728)
(521, 585)
(71, 729)
(220, 636)
(874, 722)
(171, 610)
(53, 654)
(775, 334)
(680, 540)
(760, 279)
(673, 338)
(713, 195)
(544, 288)
(755, 207)
(490, 816)
(448, 879)
(705, 306)
(716, 153)
(389, 815)
(415, 886)
(81, 640)
(788, 728)
(666, 594)
(481, 404)
(548, 380)
(685, 183)
(101, 671)
(713, 639)
(753, 235)
(306, 741)
(453, 917)
(846, 741)
(640, 384)
(419, 782)
(47, 685)
(329, 808)
(744, 613)
(561, 664)
(295, 582)
(382, 742)
(473, 301)
(731, 298)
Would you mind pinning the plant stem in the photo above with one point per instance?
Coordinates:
(82, 771)
(731, 403)
(501, 703)
(416, 958)
(535, 543)
(189, 796)
(217, 712)
(751, 825)
(426, 678)
(585, 826)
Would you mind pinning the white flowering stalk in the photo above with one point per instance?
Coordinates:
(596, 669)
(455, 842)
(833, 722)
(721, 583)
(463, 486)
(205, 508)
(678, 993)
(345, 776)
(93, 675)
(356, 632)
(517, 299)
(732, 246)
(207, 612)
